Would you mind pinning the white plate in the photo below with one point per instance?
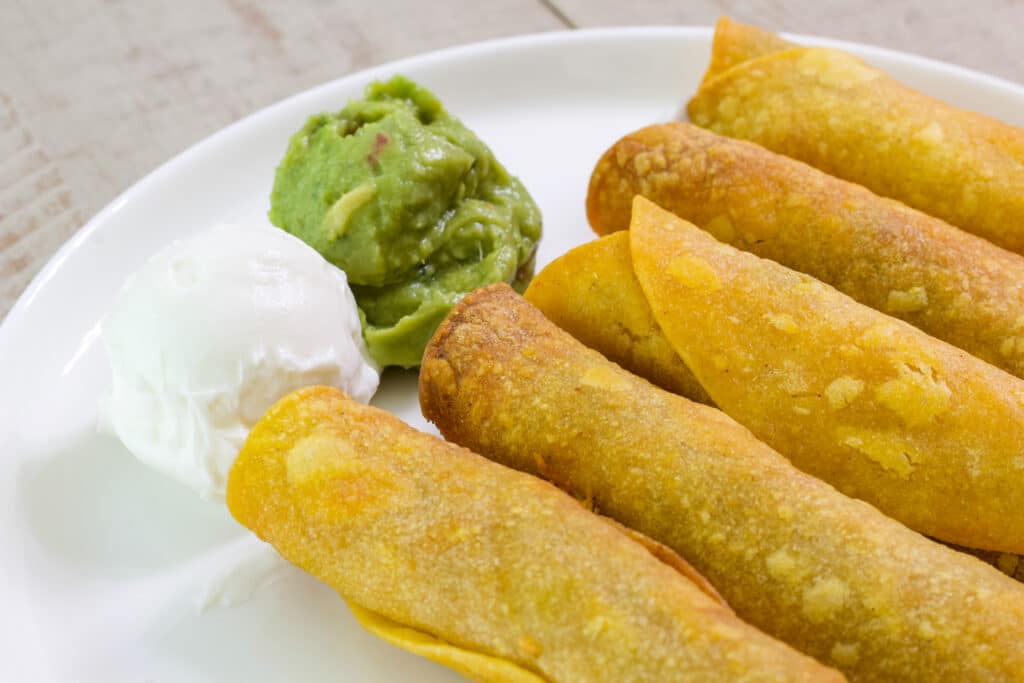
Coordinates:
(102, 559)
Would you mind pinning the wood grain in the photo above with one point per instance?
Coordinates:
(95, 94)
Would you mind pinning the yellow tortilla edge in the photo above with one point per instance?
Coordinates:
(475, 666)
(732, 37)
(754, 62)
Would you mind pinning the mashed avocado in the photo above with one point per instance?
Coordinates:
(411, 205)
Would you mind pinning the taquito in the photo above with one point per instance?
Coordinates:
(833, 111)
(492, 572)
(826, 573)
(592, 292)
(926, 432)
(953, 285)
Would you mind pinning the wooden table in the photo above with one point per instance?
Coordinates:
(95, 94)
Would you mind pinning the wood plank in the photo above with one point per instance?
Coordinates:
(981, 34)
(94, 95)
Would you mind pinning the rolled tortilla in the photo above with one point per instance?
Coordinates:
(831, 110)
(951, 284)
(929, 434)
(592, 293)
(826, 573)
(492, 572)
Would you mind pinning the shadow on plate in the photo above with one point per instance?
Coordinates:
(296, 630)
(399, 394)
(94, 509)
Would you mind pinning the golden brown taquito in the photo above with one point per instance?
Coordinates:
(926, 432)
(953, 285)
(490, 571)
(826, 573)
(833, 111)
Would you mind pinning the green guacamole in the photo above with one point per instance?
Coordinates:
(413, 207)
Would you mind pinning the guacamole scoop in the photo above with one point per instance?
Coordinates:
(411, 205)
